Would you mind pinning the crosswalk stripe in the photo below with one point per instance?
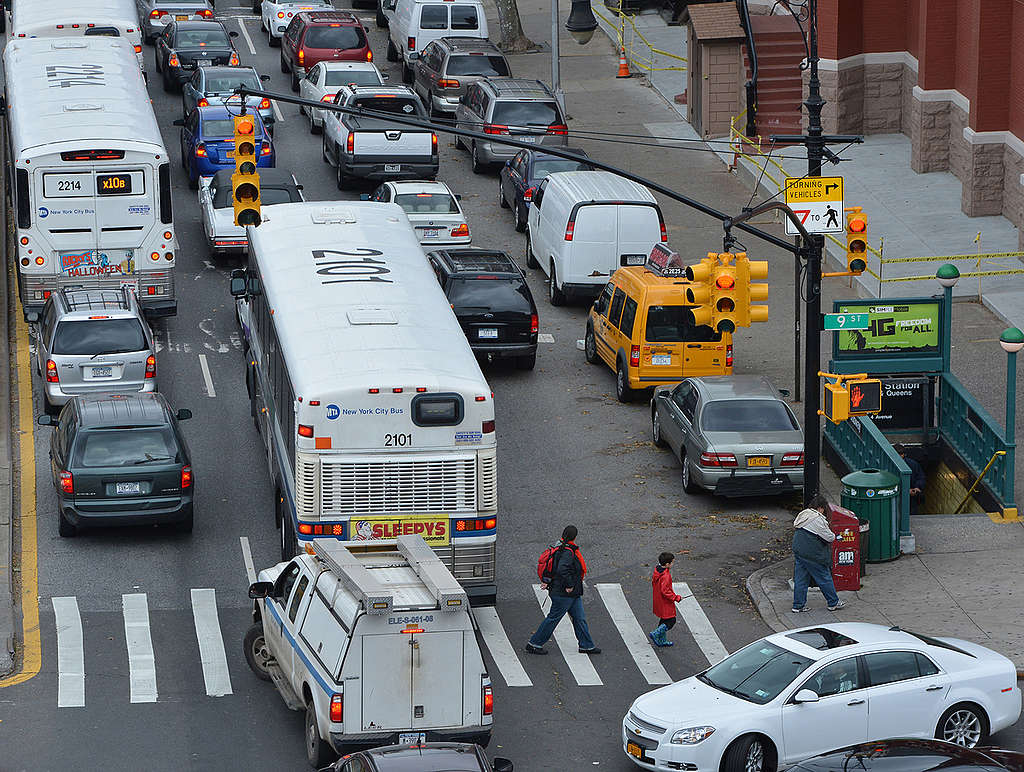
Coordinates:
(211, 643)
(141, 662)
(580, 665)
(70, 654)
(633, 635)
(497, 643)
(700, 626)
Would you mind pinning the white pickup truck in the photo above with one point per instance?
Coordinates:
(375, 642)
(374, 148)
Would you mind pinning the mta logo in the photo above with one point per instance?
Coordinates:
(44, 212)
(333, 412)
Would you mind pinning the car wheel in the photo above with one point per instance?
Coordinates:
(622, 391)
(531, 261)
(284, 64)
(272, 41)
(407, 74)
(478, 166)
(656, 437)
(313, 128)
(392, 55)
(263, 24)
(526, 362)
(688, 484)
(257, 655)
(964, 725)
(327, 158)
(501, 196)
(167, 82)
(747, 754)
(555, 295)
(185, 526)
(590, 346)
(156, 63)
(317, 752)
(295, 82)
(193, 181)
(381, 19)
(520, 219)
(64, 526)
(342, 178)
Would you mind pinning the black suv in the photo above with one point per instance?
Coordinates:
(492, 302)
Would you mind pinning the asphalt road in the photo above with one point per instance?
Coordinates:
(568, 452)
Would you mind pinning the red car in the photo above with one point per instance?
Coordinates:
(319, 36)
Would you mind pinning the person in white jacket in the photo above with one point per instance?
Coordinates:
(812, 556)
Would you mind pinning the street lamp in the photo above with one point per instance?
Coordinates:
(1012, 341)
(948, 276)
(581, 25)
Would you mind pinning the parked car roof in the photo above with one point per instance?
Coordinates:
(104, 410)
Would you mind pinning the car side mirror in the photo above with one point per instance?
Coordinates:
(178, 122)
(597, 305)
(463, 100)
(385, 76)
(264, 78)
(233, 34)
(364, 196)
(46, 420)
(299, 187)
(31, 317)
(413, 56)
(183, 414)
(784, 392)
(805, 695)
(458, 196)
(501, 765)
(261, 590)
(237, 286)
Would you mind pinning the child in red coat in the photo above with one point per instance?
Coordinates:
(664, 599)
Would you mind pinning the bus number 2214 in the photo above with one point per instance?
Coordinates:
(397, 440)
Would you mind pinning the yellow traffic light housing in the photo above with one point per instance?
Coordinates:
(837, 403)
(698, 294)
(851, 395)
(748, 292)
(724, 294)
(856, 241)
(245, 182)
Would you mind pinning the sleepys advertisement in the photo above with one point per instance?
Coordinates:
(434, 530)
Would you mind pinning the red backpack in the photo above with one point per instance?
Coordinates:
(546, 562)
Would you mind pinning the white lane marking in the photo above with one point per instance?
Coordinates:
(498, 644)
(580, 665)
(632, 633)
(210, 392)
(545, 337)
(211, 642)
(245, 33)
(700, 626)
(70, 654)
(278, 115)
(141, 662)
(250, 569)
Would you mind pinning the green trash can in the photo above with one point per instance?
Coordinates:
(873, 495)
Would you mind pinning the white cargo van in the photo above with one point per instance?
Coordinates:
(584, 225)
(374, 641)
(412, 24)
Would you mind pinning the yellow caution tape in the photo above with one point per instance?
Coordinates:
(963, 275)
(950, 258)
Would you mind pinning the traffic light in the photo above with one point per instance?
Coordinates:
(724, 294)
(699, 293)
(245, 182)
(837, 403)
(856, 241)
(747, 292)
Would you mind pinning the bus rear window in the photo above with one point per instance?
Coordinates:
(437, 410)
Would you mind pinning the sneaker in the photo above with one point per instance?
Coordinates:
(800, 610)
(531, 649)
(839, 605)
(594, 650)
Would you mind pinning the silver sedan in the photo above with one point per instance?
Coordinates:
(733, 434)
(325, 80)
(277, 186)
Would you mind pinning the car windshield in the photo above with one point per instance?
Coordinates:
(496, 293)
(427, 203)
(334, 37)
(225, 84)
(125, 446)
(542, 169)
(222, 128)
(671, 324)
(526, 114)
(352, 77)
(757, 673)
(201, 38)
(88, 337)
(400, 106)
(478, 64)
(747, 415)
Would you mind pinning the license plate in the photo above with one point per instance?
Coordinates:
(759, 460)
(527, 138)
(634, 259)
(392, 167)
(661, 359)
(203, 62)
(102, 372)
(229, 154)
(487, 332)
(411, 738)
(634, 750)
(181, 17)
(430, 233)
(127, 487)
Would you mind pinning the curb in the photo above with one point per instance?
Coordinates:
(6, 464)
(761, 600)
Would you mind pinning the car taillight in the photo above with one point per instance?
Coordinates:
(728, 355)
(327, 98)
(156, 14)
(51, 372)
(433, 144)
(337, 708)
(528, 195)
(487, 427)
(151, 360)
(200, 153)
(793, 459)
(569, 228)
(173, 61)
(412, 44)
(488, 701)
(305, 431)
(717, 459)
(495, 128)
(634, 356)
(264, 104)
(664, 234)
(462, 230)
(206, 13)
(203, 102)
(369, 55)
(447, 83)
(302, 56)
(67, 482)
(280, 14)
(266, 149)
(534, 324)
(558, 128)
(186, 477)
(350, 142)
(234, 59)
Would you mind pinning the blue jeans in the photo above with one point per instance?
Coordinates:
(803, 570)
(560, 606)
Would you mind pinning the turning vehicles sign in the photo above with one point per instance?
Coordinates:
(817, 202)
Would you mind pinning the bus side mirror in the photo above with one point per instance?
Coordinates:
(46, 420)
(261, 590)
(238, 283)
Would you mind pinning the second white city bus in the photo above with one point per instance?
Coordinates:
(376, 417)
(90, 175)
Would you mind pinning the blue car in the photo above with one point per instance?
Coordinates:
(208, 144)
(521, 175)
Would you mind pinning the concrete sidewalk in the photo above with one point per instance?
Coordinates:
(958, 584)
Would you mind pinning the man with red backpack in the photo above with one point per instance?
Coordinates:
(561, 570)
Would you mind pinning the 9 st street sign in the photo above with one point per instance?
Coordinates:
(818, 202)
(846, 322)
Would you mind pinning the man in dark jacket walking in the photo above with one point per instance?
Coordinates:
(566, 590)
(812, 556)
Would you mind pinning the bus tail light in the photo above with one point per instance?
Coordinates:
(634, 356)
(305, 431)
(40, 260)
(350, 142)
(168, 255)
(305, 529)
(488, 696)
(534, 324)
(151, 360)
(168, 235)
(462, 230)
(186, 477)
(664, 234)
(479, 524)
(796, 458)
(717, 459)
(728, 355)
(487, 427)
(51, 372)
(24, 240)
(337, 708)
(67, 482)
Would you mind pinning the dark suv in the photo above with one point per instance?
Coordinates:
(322, 36)
(492, 302)
(120, 459)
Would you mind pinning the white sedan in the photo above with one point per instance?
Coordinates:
(325, 80)
(433, 210)
(277, 186)
(801, 693)
(275, 16)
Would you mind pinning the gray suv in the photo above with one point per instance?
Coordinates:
(516, 108)
(93, 341)
(447, 67)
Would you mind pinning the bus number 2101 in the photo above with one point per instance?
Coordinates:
(397, 440)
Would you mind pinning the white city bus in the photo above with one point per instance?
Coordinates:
(90, 175)
(77, 18)
(376, 417)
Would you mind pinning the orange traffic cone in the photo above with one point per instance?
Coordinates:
(623, 65)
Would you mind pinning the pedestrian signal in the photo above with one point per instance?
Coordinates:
(856, 241)
(245, 182)
(865, 396)
(851, 395)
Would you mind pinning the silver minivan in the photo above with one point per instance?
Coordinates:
(155, 15)
(93, 341)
